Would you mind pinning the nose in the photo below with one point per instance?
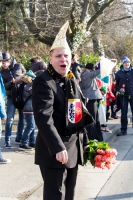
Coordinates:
(63, 58)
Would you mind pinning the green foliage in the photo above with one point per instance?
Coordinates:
(75, 40)
(91, 151)
(119, 64)
(84, 59)
(46, 58)
(24, 58)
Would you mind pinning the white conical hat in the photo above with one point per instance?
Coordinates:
(60, 40)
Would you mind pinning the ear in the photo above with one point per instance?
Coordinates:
(50, 59)
(9, 61)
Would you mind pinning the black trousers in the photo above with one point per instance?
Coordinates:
(59, 183)
(94, 130)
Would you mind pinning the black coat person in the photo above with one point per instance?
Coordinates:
(124, 86)
(59, 116)
(11, 71)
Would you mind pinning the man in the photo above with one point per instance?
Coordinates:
(37, 64)
(2, 113)
(124, 85)
(58, 115)
(10, 73)
(75, 67)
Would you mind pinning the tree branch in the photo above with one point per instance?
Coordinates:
(119, 19)
(32, 26)
(98, 13)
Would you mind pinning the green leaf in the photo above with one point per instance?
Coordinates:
(91, 151)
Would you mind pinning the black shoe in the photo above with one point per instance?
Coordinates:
(17, 141)
(122, 134)
(7, 146)
(32, 145)
(25, 147)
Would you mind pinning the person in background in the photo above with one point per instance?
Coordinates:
(124, 85)
(91, 91)
(110, 97)
(102, 110)
(37, 64)
(75, 68)
(28, 137)
(58, 111)
(2, 113)
(11, 72)
(113, 88)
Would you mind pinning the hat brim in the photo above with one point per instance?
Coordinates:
(5, 59)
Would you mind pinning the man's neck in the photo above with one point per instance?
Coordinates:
(126, 69)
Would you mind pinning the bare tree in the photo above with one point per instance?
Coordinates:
(94, 20)
(44, 18)
(117, 28)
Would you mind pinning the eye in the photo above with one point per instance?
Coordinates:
(58, 56)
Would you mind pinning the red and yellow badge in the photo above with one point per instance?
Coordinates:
(74, 110)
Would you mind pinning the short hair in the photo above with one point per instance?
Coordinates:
(51, 52)
(35, 58)
(74, 55)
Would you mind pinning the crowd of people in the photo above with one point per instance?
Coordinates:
(69, 104)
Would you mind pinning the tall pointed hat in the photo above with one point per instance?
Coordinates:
(60, 40)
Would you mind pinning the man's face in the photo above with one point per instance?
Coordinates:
(126, 65)
(60, 59)
(6, 64)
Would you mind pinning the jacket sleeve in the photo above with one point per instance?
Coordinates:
(43, 101)
(23, 69)
(8, 85)
(79, 71)
(85, 139)
(92, 74)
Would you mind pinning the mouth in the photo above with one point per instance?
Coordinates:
(63, 66)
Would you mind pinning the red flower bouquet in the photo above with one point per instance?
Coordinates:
(100, 154)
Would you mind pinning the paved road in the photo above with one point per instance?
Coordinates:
(120, 183)
(21, 179)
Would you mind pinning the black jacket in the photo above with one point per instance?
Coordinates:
(27, 94)
(75, 68)
(124, 79)
(14, 70)
(38, 65)
(48, 100)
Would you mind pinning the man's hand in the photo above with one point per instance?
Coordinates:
(17, 80)
(13, 80)
(78, 80)
(62, 157)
